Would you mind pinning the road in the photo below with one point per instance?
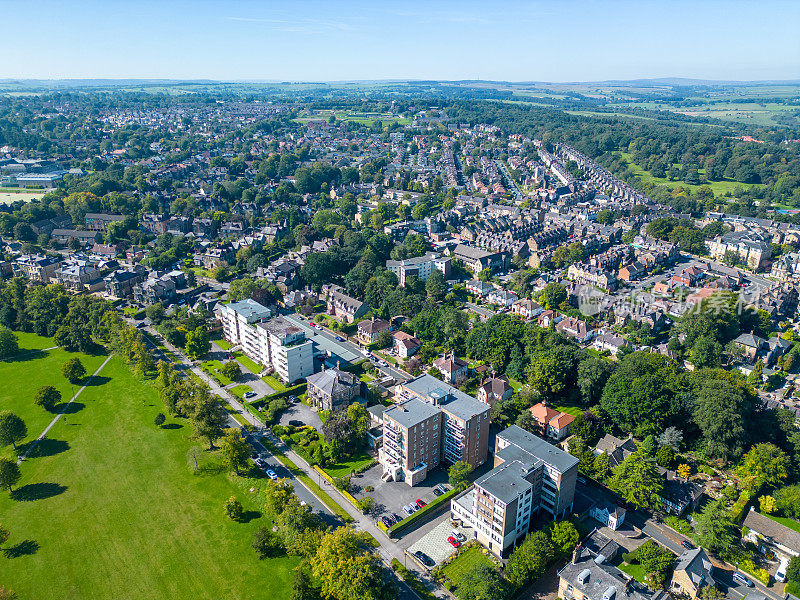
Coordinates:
(672, 540)
(388, 549)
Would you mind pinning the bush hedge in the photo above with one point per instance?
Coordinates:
(423, 511)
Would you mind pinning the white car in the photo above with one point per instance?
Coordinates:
(271, 474)
(780, 574)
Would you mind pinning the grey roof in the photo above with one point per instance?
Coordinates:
(449, 398)
(750, 340)
(280, 327)
(697, 566)
(594, 580)
(779, 533)
(411, 412)
(248, 308)
(538, 448)
(507, 481)
(333, 381)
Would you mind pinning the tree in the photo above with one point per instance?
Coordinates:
(231, 370)
(348, 570)
(721, 410)
(593, 373)
(12, 429)
(787, 501)
(656, 561)
(793, 570)
(756, 378)
(767, 464)
(235, 450)
(436, 286)
(665, 457)
(554, 295)
(767, 504)
(9, 474)
(709, 592)
(233, 509)
(715, 530)
(277, 496)
(459, 474)
(47, 397)
(302, 586)
(266, 543)
(209, 420)
(197, 342)
(684, 471)
(602, 466)
(638, 481)
(159, 420)
(482, 583)
(564, 536)
(671, 437)
(73, 370)
(8, 343)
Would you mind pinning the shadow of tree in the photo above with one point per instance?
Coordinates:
(96, 381)
(249, 515)
(26, 355)
(45, 447)
(69, 409)
(37, 491)
(172, 426)
(23, 548)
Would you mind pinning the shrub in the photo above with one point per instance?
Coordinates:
(369, 488)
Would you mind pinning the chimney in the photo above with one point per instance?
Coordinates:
(575, 553)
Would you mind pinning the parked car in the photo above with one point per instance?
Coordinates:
(739, 578)
(250, 395)
(296, 423)
(396, 518)
(387, 521)
(421, 504)
(441, 488)
(687, 545)
(271, 474)
(424, 558)
(408, 511)
(780, 574)
(459, 536)
(413, 507)
(339, 338)
(453, 542)
(437, 492)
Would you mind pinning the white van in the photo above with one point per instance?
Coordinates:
(780, 574)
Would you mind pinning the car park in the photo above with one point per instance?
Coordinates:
(739, 578)
(453, 542)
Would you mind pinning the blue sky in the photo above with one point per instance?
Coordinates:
(313, 40)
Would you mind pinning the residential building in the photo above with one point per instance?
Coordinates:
(238, 319)
(591, 577)
(750, 344)
(154, 290)
(476, 260)
(692, 572)
(608, 513)
(553, 424)
(462, 434)
(342, 306)
(576, 329)
(496, 389)
(36, 268)
(527, 309)
(283, 346)
(420, 266)
(332, 389)
(479, 288)
(771, 536)
(751, 248)
(530, 477)
(100, 221)
(370, 329)
(453, 369)
(502, 297)
(120, 283)
(404, 344)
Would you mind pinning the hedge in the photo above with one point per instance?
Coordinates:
(411, 580)
(748, 566)
(741, 505)
(423, 511)
(344, 493)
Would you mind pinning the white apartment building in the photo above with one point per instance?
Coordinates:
(421, 266)
(284, 347)
(238, 319)
(529, 476)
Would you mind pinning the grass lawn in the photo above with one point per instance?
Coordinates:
(22, 378)
(114, 511)
(344, 468)
(274, 383)
(467, 561)
(247, 363)
(570, 410)
(212, 367)
(31, 341)
(240, 390)
(635, 571)
(224, 344)
(790, 523)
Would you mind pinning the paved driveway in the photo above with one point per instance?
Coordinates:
(435, 543)
(300, 412)
(391, 496)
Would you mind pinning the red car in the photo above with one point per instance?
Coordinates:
(421, 504)
(453, 542)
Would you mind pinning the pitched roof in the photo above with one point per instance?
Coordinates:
(781, 534)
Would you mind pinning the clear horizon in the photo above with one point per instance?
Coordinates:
(354, 40)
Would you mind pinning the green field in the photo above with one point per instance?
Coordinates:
(247, 363)
(719, 188)
(20, 387)
(113, 511)
(467, 561)
(635, 571)
(212, 367)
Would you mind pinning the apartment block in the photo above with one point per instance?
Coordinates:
(455, 424)
(530, 477)
(238, 319)
(283, 346)
(421, 266)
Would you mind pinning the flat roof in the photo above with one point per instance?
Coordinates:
(411, 412)
(538, 448)
(458, 403)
